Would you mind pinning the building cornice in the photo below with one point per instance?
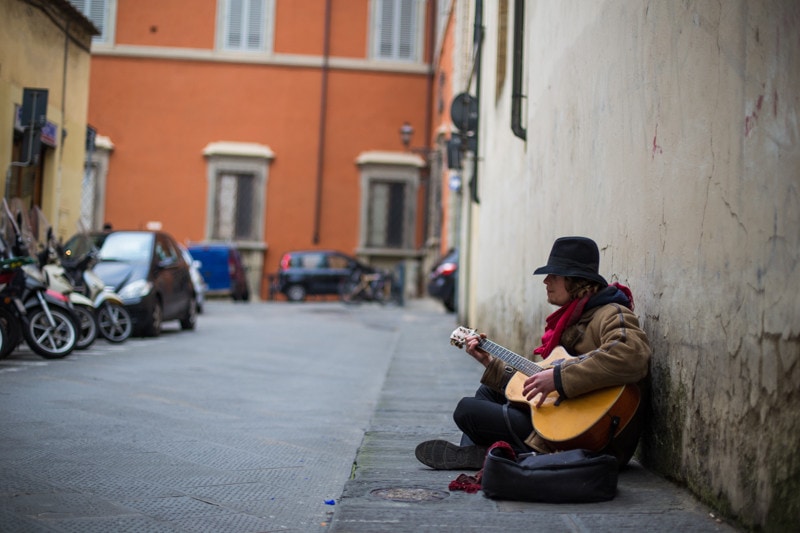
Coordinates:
(283, 60)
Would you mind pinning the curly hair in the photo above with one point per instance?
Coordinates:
(580, 287)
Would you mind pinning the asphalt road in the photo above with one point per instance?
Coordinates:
(250, 423)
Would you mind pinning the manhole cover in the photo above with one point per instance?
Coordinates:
(401, 494)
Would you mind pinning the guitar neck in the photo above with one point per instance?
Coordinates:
(519, 363)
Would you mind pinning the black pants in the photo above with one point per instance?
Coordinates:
(483, 422)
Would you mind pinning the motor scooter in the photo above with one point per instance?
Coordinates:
(114, 321)
(83, 307)
(45, 317)
(54, 278)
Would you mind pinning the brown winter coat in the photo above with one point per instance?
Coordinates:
(609, 348)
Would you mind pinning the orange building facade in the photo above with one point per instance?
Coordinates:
(271, 124)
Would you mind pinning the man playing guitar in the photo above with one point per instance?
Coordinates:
(584, 397)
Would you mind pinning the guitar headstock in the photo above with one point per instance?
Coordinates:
(459, 336)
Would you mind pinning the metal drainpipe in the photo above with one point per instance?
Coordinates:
(516, 71)
(428, 117)
(322, 117)
(59, 168)
(478, 44)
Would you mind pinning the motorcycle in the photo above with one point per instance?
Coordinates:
(12, 284)
(45, 317)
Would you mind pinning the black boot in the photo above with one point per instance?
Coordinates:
(444, 455)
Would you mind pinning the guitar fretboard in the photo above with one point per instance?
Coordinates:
(521, 364)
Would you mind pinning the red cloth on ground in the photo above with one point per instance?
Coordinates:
(472, 484)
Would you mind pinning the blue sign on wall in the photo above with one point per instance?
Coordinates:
(49, 131)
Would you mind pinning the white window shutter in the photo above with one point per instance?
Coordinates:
(245, 25)
(385, 30)
(255, 25)
(233, 31)
(406, 30)
(396, 30)
(94, 10)
(97, 14)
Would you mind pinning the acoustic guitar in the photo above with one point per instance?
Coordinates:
(589, 421)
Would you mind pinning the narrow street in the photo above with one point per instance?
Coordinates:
(249, 423)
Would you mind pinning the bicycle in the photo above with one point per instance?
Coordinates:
(369, 287)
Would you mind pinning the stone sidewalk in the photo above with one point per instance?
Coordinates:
(390, 491)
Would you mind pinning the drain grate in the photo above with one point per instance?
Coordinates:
(409, 494)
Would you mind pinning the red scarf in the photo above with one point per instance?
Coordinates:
(565, 316)
(557, 322)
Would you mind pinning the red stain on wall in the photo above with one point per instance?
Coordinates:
(656, 147)
(751, 119)
(775, 103)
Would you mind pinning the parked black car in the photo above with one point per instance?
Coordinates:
(149, 272)
(315, 272)
(442, 280)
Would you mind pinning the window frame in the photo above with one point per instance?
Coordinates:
(380, 168)
(238, 158)
(108, 27)
(239, 198)
(267, 25)
(375, 32)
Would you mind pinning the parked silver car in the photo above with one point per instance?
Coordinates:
(200, 286)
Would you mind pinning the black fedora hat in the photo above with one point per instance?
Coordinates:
(576, 257)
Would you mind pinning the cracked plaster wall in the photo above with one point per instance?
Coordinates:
(667, 131)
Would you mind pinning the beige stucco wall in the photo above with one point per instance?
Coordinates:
(667, 131)
(35, 53)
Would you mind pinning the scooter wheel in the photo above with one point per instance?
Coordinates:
(115, 322)
(51, 341)
(87, 323)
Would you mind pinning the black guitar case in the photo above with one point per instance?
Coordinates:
(572, 476)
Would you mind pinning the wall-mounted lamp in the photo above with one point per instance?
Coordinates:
(406, 132)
